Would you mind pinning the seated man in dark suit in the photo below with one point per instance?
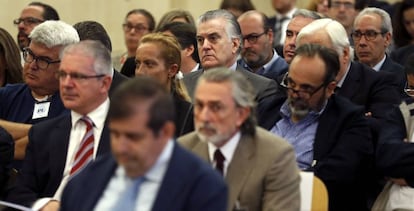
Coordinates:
(257, 54)
(219, 43)
(60, 148)
(259, 167)
(372, 35)
(141, 121)
(330, 134)
(92, 30)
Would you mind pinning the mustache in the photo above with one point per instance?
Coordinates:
(205, 126)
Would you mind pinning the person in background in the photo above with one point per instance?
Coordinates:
(137, 23)
(158, 56)
(177, 15)
(237, 7)
(186, 36)
(32, 15)
(320, 6)
(11, 70)
(403, 25)
(284, 10)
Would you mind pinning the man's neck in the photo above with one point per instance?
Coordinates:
(40, 93)
(187, 66)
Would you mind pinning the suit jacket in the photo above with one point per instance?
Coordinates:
(188, 184)
(397, 71)
(265, 90)
(45, 160)
(401, 54)
(184, 119)
(262, 174)
(117, 79)
(394, 154)
(342, 153)
(6, 159)
(276, 69)
(376, 91)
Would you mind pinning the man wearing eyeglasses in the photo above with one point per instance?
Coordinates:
(61, 147)
(330, 135)
(257, 54)
(38, 98)
(372, 35)
(31, 16)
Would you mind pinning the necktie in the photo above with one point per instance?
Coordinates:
(278, 31)
(85, 151)
(127, 199)
(219, 158)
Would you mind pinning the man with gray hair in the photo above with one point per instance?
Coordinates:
(372, 35)
(219, 41)
(300, 19)
(259, 168)
(61, 147)
(38, 98)
(376, 91)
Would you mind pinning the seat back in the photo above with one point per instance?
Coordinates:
(314, 195)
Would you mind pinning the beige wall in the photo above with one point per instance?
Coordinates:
(111, 13)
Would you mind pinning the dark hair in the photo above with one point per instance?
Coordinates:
(174, 14)
(329, 57)
(185, 34)
(11, 53)
(409, 64)
(92, 30)
(143, 89)
(241, 5)
(148, 15)
(401, 35)
(49, 13)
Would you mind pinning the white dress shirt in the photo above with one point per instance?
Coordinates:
(227, 150)
(148, 190)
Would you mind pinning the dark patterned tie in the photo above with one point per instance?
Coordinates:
(219, 159)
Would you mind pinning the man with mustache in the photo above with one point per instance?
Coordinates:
(330, 134)
(258, 167)
(257, 54)
(31, 16)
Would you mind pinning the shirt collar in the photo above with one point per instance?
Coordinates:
(340, 82)
(274, 58)
(98, 116)
(233, 66)
(378, 66)
(289, 14)
(227, 149)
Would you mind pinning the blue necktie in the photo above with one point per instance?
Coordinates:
(127, 199)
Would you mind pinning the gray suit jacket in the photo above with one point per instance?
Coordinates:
(263, 173)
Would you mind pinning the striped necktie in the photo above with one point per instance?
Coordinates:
(85, 151)
(219, 158)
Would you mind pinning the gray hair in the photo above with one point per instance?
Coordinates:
(242, 91)
(54, 33)
(93, 49)
(335, 31)
(386, 25)
(232, 27)
(307, 14)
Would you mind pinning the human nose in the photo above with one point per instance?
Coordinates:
(204, 114)
(139, 70)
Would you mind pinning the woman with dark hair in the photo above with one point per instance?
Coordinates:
(403, 24)
(10, 60)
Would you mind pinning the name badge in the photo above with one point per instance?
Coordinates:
(41, 110)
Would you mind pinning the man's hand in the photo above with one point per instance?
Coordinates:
(51, 206)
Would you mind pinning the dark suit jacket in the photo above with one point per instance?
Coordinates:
(45, 160)
(343, 152)
(376, 91)
(397, 71)
(184, 119)
(6, 158)
(188, 184)
(395, 153)
(278, 68)
(262, 174)
(128, 69)
(400, 55)
(117, 79)
(265, 90)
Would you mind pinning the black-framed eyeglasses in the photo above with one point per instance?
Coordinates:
(61, 75)
(338, 4)
(138, 28)
(27, 21)
(252, 38)
(369, 34)
(41, 62)
(305, 93)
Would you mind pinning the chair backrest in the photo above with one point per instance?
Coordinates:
(314, 195)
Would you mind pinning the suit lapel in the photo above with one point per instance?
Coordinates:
(240, 167)
(104, 142)
(351, 83)
(201, 149)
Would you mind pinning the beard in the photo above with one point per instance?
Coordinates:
(300, 108)
(208, 133)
